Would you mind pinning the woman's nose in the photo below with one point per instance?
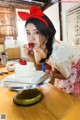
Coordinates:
(32, 38)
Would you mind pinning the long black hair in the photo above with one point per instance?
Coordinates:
(48, 31)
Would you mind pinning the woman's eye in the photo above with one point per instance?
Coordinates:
(37, 32)
(28, 33)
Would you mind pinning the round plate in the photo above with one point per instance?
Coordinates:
(13, 83)
(28, 97)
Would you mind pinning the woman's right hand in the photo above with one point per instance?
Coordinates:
(25, 47)
(30, 54)
(28, 51)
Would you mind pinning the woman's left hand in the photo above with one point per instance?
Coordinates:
(39, 54)
(56, 74)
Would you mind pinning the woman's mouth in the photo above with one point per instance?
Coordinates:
(31, 45)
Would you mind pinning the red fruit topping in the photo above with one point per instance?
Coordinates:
(31, 45)
(11, 64)
(22, 62)
(48, 66)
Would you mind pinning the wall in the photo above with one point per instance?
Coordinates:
(65, 8)
(53, 13)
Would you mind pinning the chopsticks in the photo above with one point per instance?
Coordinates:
(3, 72)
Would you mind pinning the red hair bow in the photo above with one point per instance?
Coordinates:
(35, 12)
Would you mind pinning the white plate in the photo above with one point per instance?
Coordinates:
(23, 83)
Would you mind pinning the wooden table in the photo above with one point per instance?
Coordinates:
(55, 105)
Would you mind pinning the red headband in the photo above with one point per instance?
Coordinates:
(35, 12)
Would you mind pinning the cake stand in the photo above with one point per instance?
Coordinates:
(27, 93)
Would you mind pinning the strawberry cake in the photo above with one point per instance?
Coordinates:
(24, 69)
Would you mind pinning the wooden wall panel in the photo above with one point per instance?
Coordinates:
(5, 9)
(8, 22)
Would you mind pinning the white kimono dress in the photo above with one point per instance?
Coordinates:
(66, 59)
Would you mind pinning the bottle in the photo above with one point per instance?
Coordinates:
(0, 61)
(3, 56)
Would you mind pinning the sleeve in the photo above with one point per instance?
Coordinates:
(61, 60)
(64, 67)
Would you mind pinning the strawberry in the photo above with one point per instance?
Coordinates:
(22, 62)
(31, 45)
(11, 64)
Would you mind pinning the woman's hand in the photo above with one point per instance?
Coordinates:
(57, 74)
(28, 52)
(54, 74)
(39, 54)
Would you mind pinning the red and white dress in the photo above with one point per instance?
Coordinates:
(66, 59)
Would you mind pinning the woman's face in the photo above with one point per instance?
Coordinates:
(35, 37)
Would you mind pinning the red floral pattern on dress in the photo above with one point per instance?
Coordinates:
(73, 63)
(77, 80)
(67, 85)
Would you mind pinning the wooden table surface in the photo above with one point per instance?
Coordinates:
(55, 105)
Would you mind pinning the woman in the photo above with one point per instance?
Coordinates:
(57, 58)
